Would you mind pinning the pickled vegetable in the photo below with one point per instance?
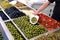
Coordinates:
(29, 29)
(48, 22)
(1, 37)
(14, 31)
(5, 4)
(51, 36)
(57, 33)
(48, 37)
(34, 19)
(19, 4)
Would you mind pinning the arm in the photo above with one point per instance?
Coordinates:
(46, 4)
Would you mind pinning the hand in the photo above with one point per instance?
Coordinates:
(35, 13)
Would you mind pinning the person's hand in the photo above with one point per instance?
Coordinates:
(35, 13)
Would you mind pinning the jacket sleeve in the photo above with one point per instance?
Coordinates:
(51, 1)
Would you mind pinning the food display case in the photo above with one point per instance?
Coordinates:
(22, 29)
(18, 24)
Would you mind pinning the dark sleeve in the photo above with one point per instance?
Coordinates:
(51, 1)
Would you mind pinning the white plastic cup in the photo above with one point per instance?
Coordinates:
(31, 16)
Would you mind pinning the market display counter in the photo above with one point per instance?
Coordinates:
(19, 28)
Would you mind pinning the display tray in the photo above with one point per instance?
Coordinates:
(51, 36)
(14, 31)
(13, 12)
(27, 28)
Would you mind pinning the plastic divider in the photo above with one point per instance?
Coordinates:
(5, 32)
